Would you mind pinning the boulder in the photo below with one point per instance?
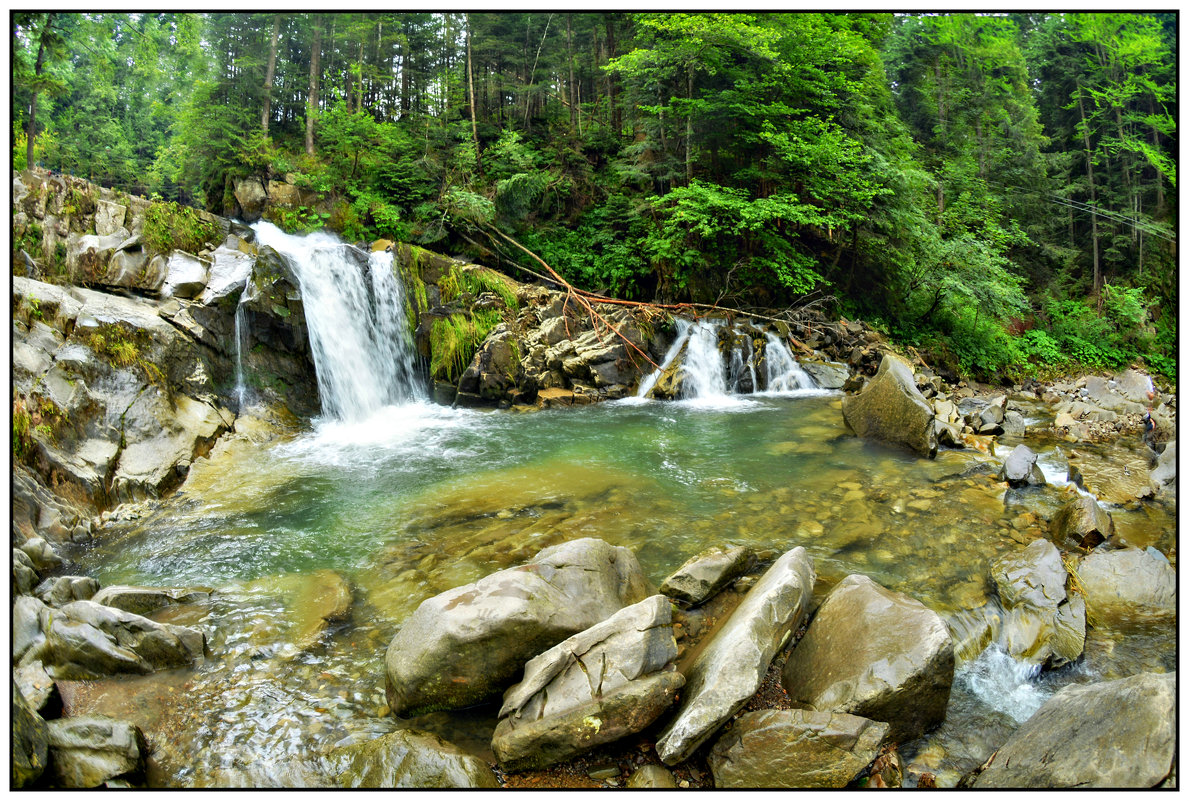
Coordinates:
(891, 409)
(1128, 582)
(86, 640)
(1099, 393)
(1020, 468)
(251, 197)
(26, 626)
(827, 375)
(64, 589)
(1014, 424)
(162, 438)
(465, 644)
(35, 684)
(1113, 734)
(109, 217)
(877, 654)
(651, 777)
(1135, 387)
(728, 671)
(1042, 623)
(1164, 475)
(1081, 523)
(705, 574)
(409, 759)
(30, 742)
(602, 684)
(146, 600)
(795, 748)
(24, 575)
(88, 751)
(185, 275)
(43, 557)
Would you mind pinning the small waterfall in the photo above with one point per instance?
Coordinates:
(705, 377)
(784, 373)
(1004, 683)
(241, 343)
(683, 327)
(355, 312)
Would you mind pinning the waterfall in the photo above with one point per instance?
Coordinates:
(355, 312)
(705, 374)
(1004, 683)
(241, 341)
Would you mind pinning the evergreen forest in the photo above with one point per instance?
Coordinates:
(998, 190)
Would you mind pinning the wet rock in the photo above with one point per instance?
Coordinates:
(467, 643)
(43, 557)
(1129, 581)
(146, 600)
(1020, 468)
(1112, 734)
(602, 684)
(707, 573)
(30, 742)
(24, 575)
(652, 777)
(35, 684)
(85, 640)
(409, 759)
(1014, 425)
(88, 751)
(827, 375)
(1081, 523)
(64, 589)
(312, 602)
(877, 654)
(1043, 624)
(26, 625)
(891, 409)
(728, 671)
(795, 748)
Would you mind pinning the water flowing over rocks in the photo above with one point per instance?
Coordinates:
(891, 409)
(89, 751)
(732, 664)
(1128, 582)
(146, 600)
(1112, 734)
(602, 684)
(706, 573)
(1043, 622)
(409, 759)
(467, 643)
(795, 748)
(874, 653)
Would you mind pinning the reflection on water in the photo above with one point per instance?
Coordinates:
(419, 499)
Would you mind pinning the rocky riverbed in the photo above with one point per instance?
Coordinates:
(212, 590)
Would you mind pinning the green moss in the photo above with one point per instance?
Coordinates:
(473, 280)
(123, 346)
(35, 414)
(453, 341)
(169, 226)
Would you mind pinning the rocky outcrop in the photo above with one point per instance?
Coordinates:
(1128, 582)
(1112, 734)
(795, 748)
(1043, 623)
(728, 671)
(705, 574)
(1081, 523)
(891, 409)
(89, 751)
(409, 759)
(465, 644)
(596, 687)
(877, 654)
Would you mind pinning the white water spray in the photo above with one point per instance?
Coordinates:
(355, 311)
(784, 373)
(241, 342)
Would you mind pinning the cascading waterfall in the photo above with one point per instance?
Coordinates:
(705, 377)
(241, 341)
(683, 327)
(784, 373)
(355, 313)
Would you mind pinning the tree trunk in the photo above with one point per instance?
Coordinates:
(612, 83)
(270, 72)
(405, 73)
(312, 104)
(1093, 193)
(471, 90)
(689, 124)
(570, 58)
(31, 131)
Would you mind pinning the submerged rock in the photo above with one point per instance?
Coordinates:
(891, 409)
(88, 751)
(409, 759)
(732, 664)
(1113, 734)
(146, 600)
(795, 748)
(1043, 624)
(1081, 523)
(877, 654)
(1129, 581)
(602, 684)
(312, 601)
(707, 573)
(465, 644)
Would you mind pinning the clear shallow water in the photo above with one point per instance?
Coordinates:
(417, 499)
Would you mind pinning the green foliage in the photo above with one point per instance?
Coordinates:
(35, 415)
(299, 220)
(453, 341)
(463, 281)
(123, 346)
(169, 226)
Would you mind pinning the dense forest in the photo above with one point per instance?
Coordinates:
(997, 189)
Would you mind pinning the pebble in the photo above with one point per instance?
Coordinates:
(683, 784)
(609, 772)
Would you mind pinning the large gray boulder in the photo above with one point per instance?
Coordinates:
(1043, 624)
(728, 671)
(1128, 582)
(1135, 386)
(1081, 523)
(88, 751)
(1112, 734)
(86, 640)
(61, 590)
(602, 684)
(704, 575)
(185, 275)
(409, 759)
(251, 197)
(827, 375)
(30, 742)
(1020, 468)
(891, 409)
(877, 654)
(26, 625)
(1164, 475)
(465, 644)
(795, 748)
(1102, 395)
